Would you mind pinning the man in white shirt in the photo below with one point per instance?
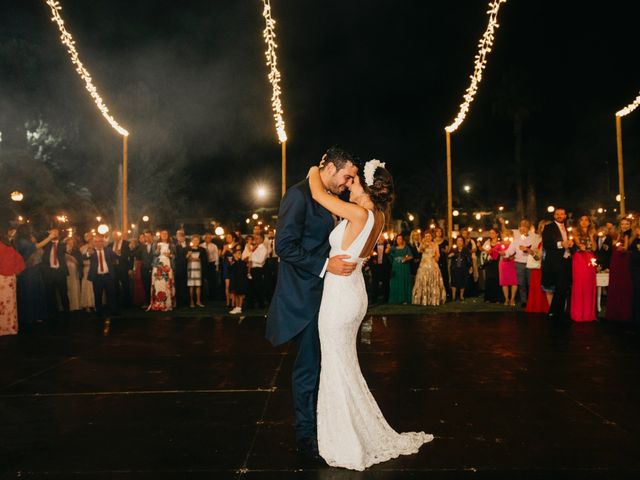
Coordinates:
(213, 262)
(523, 241)
(256, 260)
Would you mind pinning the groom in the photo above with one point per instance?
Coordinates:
(302, 244)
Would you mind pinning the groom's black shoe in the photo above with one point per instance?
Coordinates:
(307, 448)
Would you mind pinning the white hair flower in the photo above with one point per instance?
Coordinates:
(370, 170)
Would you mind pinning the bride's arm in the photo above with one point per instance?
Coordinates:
(352, 212)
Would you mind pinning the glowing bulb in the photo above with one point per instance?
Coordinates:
(67, 41)
(17, 196)
(455, 213)
(102, 229)
(248, 220)
(629, 108)
(501, 208)
(269, 35)
(411, 218)
(618, 197)
(219, 231)
(486, 42)
(254, 216)
(261, 192)
(600, 210)
(467, 188)
(478, 216)
(145, 218)
(551, 209)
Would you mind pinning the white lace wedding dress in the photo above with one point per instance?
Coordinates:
(352, 432)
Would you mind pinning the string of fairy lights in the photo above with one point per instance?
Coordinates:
(67, 40)
(274, 76)
(484, 48)
(629, 108)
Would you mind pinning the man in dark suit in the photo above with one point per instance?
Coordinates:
(556, 265)
(605, 246)
(103, 273)
(380, 271)
(120, 248)
(54, 274)
(146, 254)
(302, 244)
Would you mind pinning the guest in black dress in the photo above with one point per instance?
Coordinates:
(492, 290)
(461, 267)
(239, 281)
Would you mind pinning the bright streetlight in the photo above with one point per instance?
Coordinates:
(145, 218)
(551, 209)
(261, 192)
(254, 216)
(467, 188)
(455, 213)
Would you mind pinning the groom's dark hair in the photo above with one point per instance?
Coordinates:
(339, 157)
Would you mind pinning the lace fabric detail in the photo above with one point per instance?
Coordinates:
(352, 432)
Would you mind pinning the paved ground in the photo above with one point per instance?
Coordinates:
(507, 395)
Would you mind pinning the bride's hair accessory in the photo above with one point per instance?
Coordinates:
(370, 170)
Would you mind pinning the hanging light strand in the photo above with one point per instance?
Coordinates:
(484, 47)
(269, 35)
(629, 108)
(67, 40)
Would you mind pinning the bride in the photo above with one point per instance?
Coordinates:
(352, 432)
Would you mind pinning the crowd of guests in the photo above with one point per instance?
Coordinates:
(551, 268)
(548, 268)
(44, 278)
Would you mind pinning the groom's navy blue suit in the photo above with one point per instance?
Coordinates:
(302, 245)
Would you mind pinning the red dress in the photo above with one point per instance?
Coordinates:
(138, 286)
(507, 269)
(620, 291)
(537, 301)
(583, 287)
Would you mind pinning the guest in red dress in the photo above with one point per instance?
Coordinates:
(583, 289)
(620, 296)
(537, 300)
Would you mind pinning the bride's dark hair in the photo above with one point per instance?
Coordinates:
(381, 192)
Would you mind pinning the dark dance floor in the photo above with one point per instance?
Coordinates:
(507, 396)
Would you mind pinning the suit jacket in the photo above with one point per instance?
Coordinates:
(302, 243)
(147, 258)
(46, 255)
(373, 261)
(110, 259)
(123, 261)
(553, 255)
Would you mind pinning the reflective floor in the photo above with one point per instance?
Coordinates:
(507, 395)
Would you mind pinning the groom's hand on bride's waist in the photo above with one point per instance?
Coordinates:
(338, 266)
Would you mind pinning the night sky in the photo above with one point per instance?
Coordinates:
(382, 78)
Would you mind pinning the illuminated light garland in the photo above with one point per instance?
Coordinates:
(629, 108)
(274, 76)
(486, 42)
(67, 40)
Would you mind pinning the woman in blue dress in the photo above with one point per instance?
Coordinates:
(32, 305)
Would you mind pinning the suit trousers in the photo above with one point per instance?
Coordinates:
(145, 273)
(256, 288)
(105, 283)
(305, 381)
(55, 282)
(563, 284)
(523, 281)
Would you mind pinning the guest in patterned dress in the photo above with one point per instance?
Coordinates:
(87, 299)
(73, 258)
(196, 265)
(163, 292)
(11, 264)
(429, 287)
